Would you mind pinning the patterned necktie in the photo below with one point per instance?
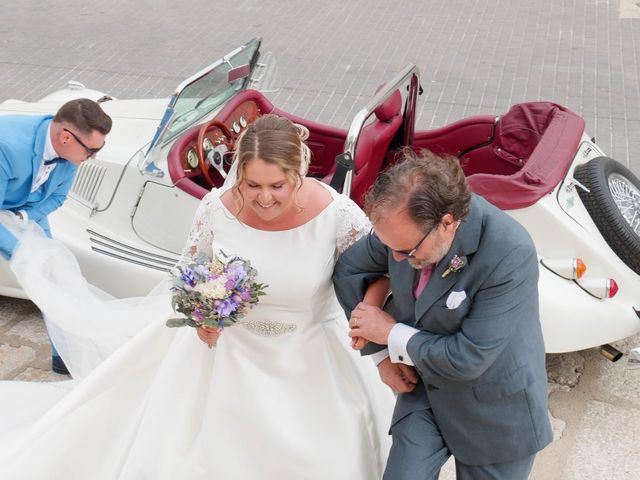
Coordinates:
(425, 274)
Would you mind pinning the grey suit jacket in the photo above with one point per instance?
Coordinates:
(482, 364)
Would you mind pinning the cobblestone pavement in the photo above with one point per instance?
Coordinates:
(475, 57)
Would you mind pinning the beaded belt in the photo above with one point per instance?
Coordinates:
(268, 328)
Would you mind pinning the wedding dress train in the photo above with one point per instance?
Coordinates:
(281, 396)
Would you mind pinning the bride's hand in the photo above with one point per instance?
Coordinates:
(208, 335)
(358, 343)
(400, 377)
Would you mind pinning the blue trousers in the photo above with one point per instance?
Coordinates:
(54, 352)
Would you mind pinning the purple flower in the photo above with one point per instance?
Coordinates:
(235, 271)
(188, 278)
(226, 307)
(220, 292)
(455, 265)
(202, 271)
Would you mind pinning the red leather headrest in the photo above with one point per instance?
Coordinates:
(390, 108)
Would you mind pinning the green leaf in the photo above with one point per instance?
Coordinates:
(176, 322)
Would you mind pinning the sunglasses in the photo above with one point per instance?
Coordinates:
(90, 151)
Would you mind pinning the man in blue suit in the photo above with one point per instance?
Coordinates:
(461, 342)
(39, 155)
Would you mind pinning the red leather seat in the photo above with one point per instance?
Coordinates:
(373, 144)
(538, 140)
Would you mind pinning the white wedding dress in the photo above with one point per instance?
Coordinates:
(281, 396)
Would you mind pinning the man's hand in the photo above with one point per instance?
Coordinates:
(400, 377)
(208, 335)
(371, 324)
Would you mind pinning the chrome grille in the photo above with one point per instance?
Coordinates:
(112, 248)
(87, 183)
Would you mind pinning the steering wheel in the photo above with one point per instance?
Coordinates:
(200, 150)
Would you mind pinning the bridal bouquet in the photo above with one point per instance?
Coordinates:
(215, 293)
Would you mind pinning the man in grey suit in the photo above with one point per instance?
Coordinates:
(460, 341)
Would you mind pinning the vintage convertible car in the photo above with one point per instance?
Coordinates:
(130, 208)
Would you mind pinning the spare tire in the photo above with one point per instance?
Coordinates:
(614, 205)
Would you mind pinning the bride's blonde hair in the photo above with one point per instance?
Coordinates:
(275, 140)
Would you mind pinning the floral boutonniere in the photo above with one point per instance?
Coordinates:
(455, 265)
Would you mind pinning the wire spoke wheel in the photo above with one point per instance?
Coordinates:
(627, 198)
(613, 201)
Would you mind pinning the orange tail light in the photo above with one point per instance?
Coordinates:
(579, 267)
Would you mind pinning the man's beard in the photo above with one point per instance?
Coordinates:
(434, 256)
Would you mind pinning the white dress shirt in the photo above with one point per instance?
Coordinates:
(45, 170)
(397, 345)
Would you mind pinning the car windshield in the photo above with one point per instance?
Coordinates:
(205, 91)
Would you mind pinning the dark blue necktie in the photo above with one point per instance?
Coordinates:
(53, 161)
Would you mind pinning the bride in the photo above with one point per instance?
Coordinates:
(281, 395)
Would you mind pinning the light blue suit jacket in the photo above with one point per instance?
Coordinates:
(482, 364)
(22, 140)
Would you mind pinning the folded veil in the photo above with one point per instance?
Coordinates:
(85, 323)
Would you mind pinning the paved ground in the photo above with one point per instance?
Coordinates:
(475, 57)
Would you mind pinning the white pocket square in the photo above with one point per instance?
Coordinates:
(455, 299)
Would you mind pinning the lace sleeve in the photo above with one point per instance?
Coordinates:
(200, 237)
(352, 224)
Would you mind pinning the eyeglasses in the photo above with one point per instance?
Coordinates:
(90, 151)
(410, 253)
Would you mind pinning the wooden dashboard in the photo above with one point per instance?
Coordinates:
(237, 121)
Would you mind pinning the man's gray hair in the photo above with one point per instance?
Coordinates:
(429, 186)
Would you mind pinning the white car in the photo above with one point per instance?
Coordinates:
(130, 208)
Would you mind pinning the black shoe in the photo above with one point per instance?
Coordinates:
(58, 366)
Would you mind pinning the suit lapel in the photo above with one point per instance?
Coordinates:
(465, 243)
(38, 146)
(404, 276)
(434, 289)
(52, 180)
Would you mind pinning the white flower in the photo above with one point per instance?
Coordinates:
(213, 288)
